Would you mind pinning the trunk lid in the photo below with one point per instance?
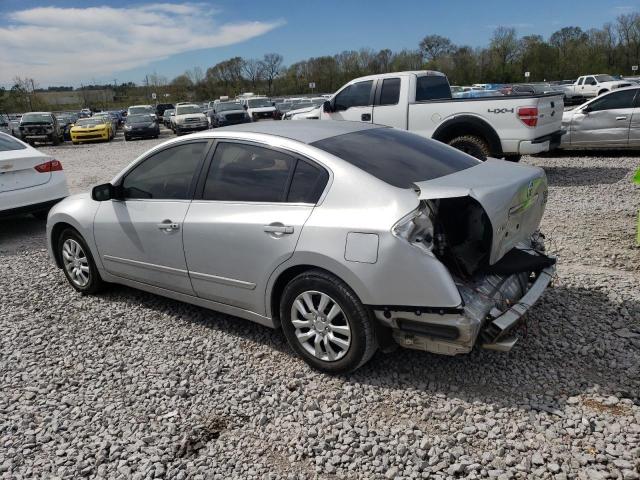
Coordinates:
(513, 196)
(17, 169)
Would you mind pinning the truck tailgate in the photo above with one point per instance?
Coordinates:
(550, 110)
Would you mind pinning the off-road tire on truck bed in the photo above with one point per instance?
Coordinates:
(473, 145)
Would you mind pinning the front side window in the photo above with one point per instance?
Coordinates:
(432, 87)
(355, 95)
(616, 100)
(247, 173)
(390, 92)
(167, 174)
(581, 81)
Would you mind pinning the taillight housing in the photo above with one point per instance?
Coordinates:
(528, 116)
(50, 166)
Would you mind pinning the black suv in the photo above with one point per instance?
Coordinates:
(41, 127)
(161, 107)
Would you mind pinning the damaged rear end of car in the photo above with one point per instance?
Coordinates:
(482, 224)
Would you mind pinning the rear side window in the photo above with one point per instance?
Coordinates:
(397, 157)
(355, 95)
(167, 174)
(307, 184)
(390, 91)
(246, 173)
(7, 144)
(615, 100)
(432, 87)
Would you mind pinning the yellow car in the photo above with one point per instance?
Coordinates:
(90, 130)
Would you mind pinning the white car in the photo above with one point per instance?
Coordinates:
(189, 118)
(30, 181)
(259, 108)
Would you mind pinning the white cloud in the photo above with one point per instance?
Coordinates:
(69, 45)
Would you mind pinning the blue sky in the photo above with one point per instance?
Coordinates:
(86, 42)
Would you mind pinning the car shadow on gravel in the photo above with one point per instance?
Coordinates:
(577, 342)
(584, 176)
(21, 231)
(573, 345)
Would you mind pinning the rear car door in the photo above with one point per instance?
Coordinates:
(605, 122)
(140, 237)
(354, 103)
(246, 219)
(634, 126)
(389, 109)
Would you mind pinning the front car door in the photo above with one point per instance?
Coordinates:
(246, 219)
(354, 102)
(604, 122)
(140, 237)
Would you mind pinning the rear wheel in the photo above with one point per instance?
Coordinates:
(326, 324)
(512, 158)
(77, 263)
(471, 144)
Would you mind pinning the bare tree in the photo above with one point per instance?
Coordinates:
(252, 70)
(435, 46)
(272, 65)
(196, 75)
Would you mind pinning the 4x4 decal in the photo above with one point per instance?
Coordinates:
(501, 110)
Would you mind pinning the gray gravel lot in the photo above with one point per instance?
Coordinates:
(131, 385)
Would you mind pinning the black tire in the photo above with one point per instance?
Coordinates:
(471, 144)
(512, 158)
(76, 143)
(55, 140)
(353, 314)
(95, 282)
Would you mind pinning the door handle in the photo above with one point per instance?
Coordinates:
(282, 229)
(168, 226)
(366, 117)
(621, 118)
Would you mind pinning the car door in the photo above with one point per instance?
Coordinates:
(354, 102)
(140, 236)
(590, 87)
(388, 109)
(634, 126)
(246, 220)
(604, 122)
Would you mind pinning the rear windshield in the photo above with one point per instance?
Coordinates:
(432, 87)
(396, 157)
(7, 143)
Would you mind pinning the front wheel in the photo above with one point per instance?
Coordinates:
(512, 158)
(77, 263)
(326, 324)
(471, 144)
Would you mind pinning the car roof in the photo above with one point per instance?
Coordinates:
(305, 131)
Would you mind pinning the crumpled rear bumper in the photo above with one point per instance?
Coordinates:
(456, 331)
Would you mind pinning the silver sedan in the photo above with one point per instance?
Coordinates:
(348, 236)
(611, 120)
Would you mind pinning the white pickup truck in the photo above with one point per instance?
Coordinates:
(421, 102)
(590, 86)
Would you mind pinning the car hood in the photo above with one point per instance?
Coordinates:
(227, 112)
(513, 196)
(262, 109)
(192, 116)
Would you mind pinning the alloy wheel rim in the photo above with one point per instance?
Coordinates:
(321, 326)
(76, 262)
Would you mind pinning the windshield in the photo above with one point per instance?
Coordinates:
(397, 157)
(605, 78)
(134, 110)
(138, 119)
(223, 107)
(36, 118)
(259, 102)
(185, 109)
(7, 143)
(89, 122)
(169, 111)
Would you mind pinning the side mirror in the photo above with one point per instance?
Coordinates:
(106, 191)
(327, 107)
(586, 109)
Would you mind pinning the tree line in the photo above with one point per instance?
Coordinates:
(566, 54)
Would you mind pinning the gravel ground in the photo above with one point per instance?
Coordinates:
(131, 385)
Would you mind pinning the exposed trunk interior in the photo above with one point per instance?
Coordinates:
(462, 235)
